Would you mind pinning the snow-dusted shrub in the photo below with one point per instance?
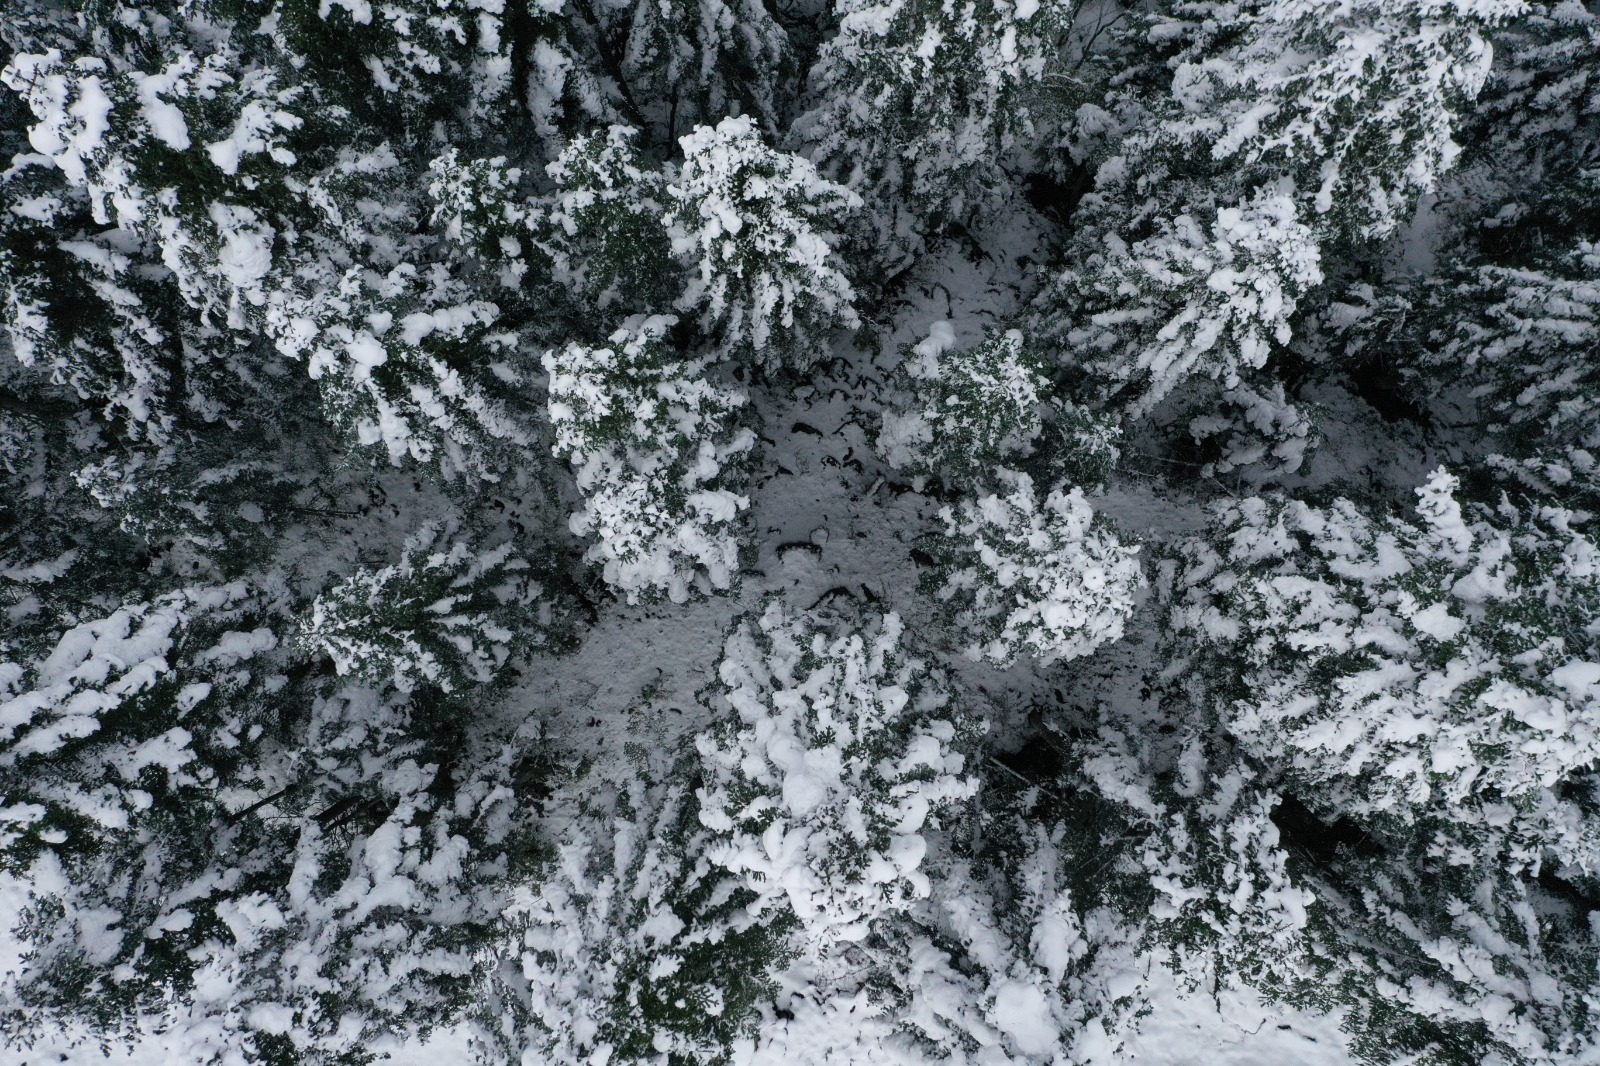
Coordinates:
(442, 616)
(181, 843)
(231, 509)
(1398, 669)
(1357, 101)
(753, 223)
(631, 946)
(838, 749)
(1028, 577)
(604, 229)
(920, 99)
(1255, 430)
(387, 351)
(1522, 338)
(654, 445)
(710, 58)
(1083, 445)
(972, 408)
(1201, 295)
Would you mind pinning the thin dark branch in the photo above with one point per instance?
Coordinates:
(239, 816)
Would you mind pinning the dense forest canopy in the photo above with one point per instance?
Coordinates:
(689, 531)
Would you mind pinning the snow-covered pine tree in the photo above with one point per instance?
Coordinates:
(1207, 293)
(690, 63)
(631, 946)
(190, 795)
(1509, 314)
(192, 798)
(919, 101)
(657, 448)
(603, 233)
(1431, 684)
(1247, 142)
(754, 224)
(1024, 576)
(121, 138)
(837, 748)
(1015, 576)
(1196, 867)
(971, 409)
(446, 616)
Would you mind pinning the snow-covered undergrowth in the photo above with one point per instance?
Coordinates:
(1027, 532)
